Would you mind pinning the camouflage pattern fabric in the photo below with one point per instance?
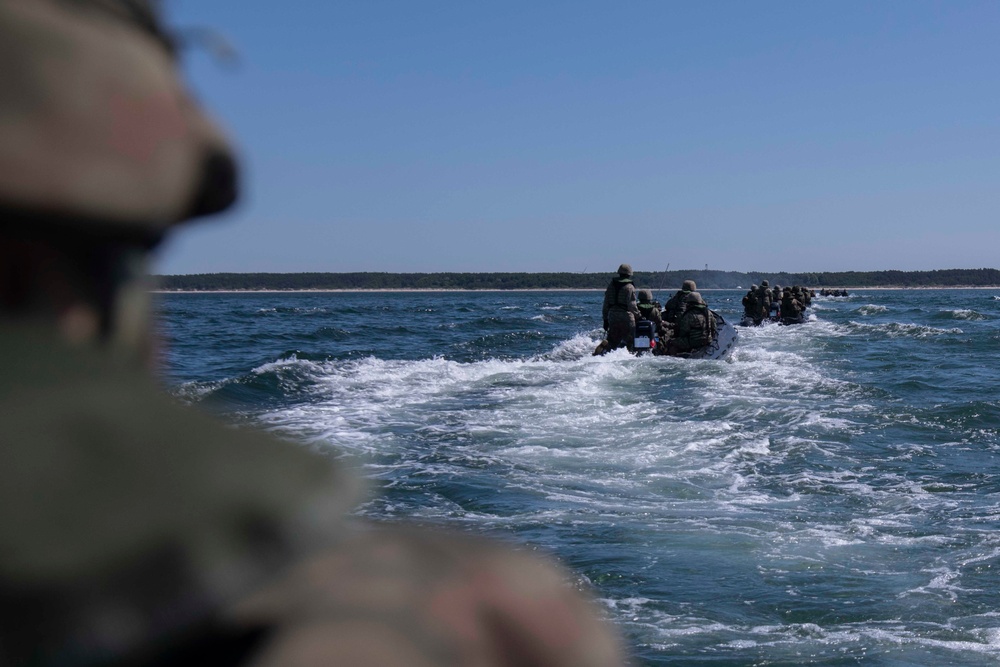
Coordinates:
(675, 306)
(651, 312)
(751, 306)
(621, 329)
(764, 299)
(128, 518)
(695, 329)
(790, 306)
(619, 311)
(620, 295)
(132, 523)
(97, 127)
(398, 595)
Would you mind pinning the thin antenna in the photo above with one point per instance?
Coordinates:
(663, 283)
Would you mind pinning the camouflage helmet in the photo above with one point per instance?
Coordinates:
(753, 287)
(99, 134)
(764, 283)
(688, 286)
(694, 298)
(645, 296)
(625, 270)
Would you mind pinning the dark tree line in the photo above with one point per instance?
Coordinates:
(706, 279)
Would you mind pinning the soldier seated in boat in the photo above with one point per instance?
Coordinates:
(751, 307)
(677, 304)
(764, 297)
(696, 328)
(650, 310)
(791, 308)
(776, 293)
(803, 294)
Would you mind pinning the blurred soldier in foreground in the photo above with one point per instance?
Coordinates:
(136, 531)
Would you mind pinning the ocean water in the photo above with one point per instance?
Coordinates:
(828, 496)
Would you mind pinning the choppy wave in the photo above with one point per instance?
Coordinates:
(284, 310)
(829, 496)
(963, 314)
(904, 329)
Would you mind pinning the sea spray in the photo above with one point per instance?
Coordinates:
(830, 496)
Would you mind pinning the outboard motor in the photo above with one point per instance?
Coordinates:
(645, 336)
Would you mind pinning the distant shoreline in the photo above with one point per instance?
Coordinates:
(399, 290)
(660, 281)
(456, 290)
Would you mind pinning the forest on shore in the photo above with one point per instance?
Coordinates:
(706, 279)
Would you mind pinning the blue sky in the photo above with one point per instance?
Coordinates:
(381, 135)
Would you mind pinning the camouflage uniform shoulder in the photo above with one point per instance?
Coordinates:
(409, 595)
(150, 510)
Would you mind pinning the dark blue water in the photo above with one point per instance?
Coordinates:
(829, 496)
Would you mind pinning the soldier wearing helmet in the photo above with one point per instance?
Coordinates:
(791, 307)
(135, 530)
(650, 310)
(696, 327)
(619, 310)
(751, 307)
(764, 299)
(807, 295)
(676, 305)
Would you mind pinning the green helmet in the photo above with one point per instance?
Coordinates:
(625, 270)
(645, 296)
(102, 149)
(99, 133)
(694, 298)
